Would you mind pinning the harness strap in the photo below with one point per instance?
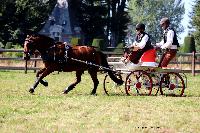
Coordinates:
(67, 47)
(91, 64)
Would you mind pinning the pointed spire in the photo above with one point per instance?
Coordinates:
(60, 24)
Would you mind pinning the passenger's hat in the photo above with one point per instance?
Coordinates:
(164, 20)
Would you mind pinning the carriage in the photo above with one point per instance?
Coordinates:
(143, 79)
(146, 78)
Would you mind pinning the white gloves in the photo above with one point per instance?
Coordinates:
(160, 45)
(133, 45)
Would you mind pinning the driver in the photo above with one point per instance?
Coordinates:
(142, 44)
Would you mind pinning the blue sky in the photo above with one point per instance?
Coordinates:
(188, 8)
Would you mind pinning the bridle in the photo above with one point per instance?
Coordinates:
(28, 51)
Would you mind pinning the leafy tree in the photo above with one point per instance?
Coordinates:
(21, 17)
(91, 15)
(150, 12)
(102, 19)
(190, 26)
(97, 18)
(118, 21)
(196, 23)
(189, 44)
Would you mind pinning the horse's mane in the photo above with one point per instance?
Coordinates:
(43, 36)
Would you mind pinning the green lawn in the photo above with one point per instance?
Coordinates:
(50, 111)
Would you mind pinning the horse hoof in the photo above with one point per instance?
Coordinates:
(94, 94)
(64, 92)
(45, 83)
(128, 94)
(31, 90)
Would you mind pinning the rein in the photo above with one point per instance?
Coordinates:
(91, 64)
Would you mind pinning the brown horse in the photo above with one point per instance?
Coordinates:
(61, 57)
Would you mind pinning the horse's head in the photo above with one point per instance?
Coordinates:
(29, 46)
(36, 42)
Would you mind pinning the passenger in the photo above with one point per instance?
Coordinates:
(169, 43)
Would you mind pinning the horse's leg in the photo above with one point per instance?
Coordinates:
(78, 80)
(43, 82)
(40, 72)
(44, 74)
(93, 74)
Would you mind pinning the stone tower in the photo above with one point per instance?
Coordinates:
(61, 25)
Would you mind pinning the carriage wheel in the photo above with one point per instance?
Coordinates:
(156, 84)
(138, 83)
(111, 88)
(172, 84)
(184, 77)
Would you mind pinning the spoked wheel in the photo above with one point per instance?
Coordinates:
(184, 77)
(138, 83)
(172, 84)
(156, 83)
(111, 88)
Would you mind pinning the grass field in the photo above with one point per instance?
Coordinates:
(50, 111)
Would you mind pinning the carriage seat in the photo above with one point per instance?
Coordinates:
(149, 58)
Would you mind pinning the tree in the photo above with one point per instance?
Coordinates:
(91, 15)
(102, 19)
(190, 26)
(196, 23)
(150, 12)
(117, 21)
(21, 17)
(189, 44)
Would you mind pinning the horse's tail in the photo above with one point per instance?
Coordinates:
(104, 63)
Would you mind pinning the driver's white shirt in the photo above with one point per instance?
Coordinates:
(142, 43)
(169, 41)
